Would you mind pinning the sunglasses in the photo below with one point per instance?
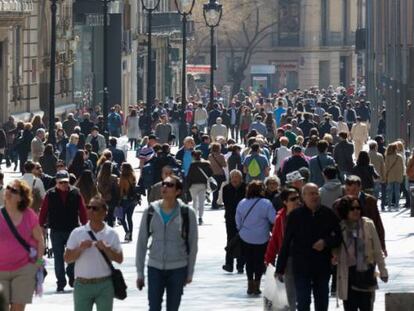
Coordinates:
(293, 199)
(93, 207)
(168, 184)
(63, 182)
(13, 190)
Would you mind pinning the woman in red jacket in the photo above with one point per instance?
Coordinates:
(290, 200)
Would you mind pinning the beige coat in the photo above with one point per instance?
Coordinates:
(37, 148)
(200, 116)
(359, 132)
(373, 255)
(378, 162)
(218, 130)
(394, 168)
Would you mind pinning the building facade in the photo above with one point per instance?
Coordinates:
(389, 52)
(25, 58)
(310, 43)
(166, 51)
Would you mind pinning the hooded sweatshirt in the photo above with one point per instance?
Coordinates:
(330, 192)
(167, 250)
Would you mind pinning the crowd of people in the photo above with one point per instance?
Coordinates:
(291, 170)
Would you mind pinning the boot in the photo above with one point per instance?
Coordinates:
(256, 288)
(250, 287)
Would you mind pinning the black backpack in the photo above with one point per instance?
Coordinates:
(185, 229)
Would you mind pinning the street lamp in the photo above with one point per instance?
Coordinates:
(212, 12)
(105, 108)
(150, 6)
(184, 7)
(52, 138)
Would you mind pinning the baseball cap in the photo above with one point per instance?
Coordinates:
(296, 148)
(152, 136)
(62, 176)
(293, 176)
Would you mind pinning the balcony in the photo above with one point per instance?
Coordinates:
(15, 7)
(13, 11)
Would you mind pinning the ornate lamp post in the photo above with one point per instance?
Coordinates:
(150, 6)
(52, 138)
(184, 8)
(212, 12)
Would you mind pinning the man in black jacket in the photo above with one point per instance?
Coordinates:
(312, 231)
(62, 208)
(343, 155)
(293, 163)
(233, 193)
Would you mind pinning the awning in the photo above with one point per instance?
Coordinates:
(198, 69)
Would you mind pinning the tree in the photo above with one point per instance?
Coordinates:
(244, 27)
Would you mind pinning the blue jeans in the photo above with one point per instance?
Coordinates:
(172, 280)
(393, 194)
(319, 284)
(380, 187)
(59, 240)
(128, 207)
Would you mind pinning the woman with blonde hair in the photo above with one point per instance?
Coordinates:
(404, 185)
(218, 163)
(19, 262)
(71, 148)
(127, 185)
(37, 123)
(107, 156)
(394, 175)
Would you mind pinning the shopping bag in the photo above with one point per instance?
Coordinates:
(274, 294)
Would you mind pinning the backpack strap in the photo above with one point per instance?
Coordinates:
(151, 211)
(185, 226)
(185, 229)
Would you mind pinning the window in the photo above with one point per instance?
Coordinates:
(324, 22)
(289, 22)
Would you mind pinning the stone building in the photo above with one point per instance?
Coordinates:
(25, 58)
(311, 43)
(389, 51)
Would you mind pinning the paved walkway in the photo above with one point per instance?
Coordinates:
(213, 289)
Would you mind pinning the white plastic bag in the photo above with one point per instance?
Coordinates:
(274, 294)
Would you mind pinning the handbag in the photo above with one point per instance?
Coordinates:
(212, 184)
(363, 279)
(19, 238)
(118, 280)
(233, 247)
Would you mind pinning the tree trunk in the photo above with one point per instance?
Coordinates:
(238, 79)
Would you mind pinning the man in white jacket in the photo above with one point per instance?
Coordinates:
(218, 129)
(200, 117)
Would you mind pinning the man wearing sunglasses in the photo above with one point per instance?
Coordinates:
(63, 208)
(93, 283)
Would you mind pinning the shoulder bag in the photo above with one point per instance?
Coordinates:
(212, 184)
(233, 247)
(118, 280)
(32, 252)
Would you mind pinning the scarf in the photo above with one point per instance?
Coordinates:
(354, 237)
